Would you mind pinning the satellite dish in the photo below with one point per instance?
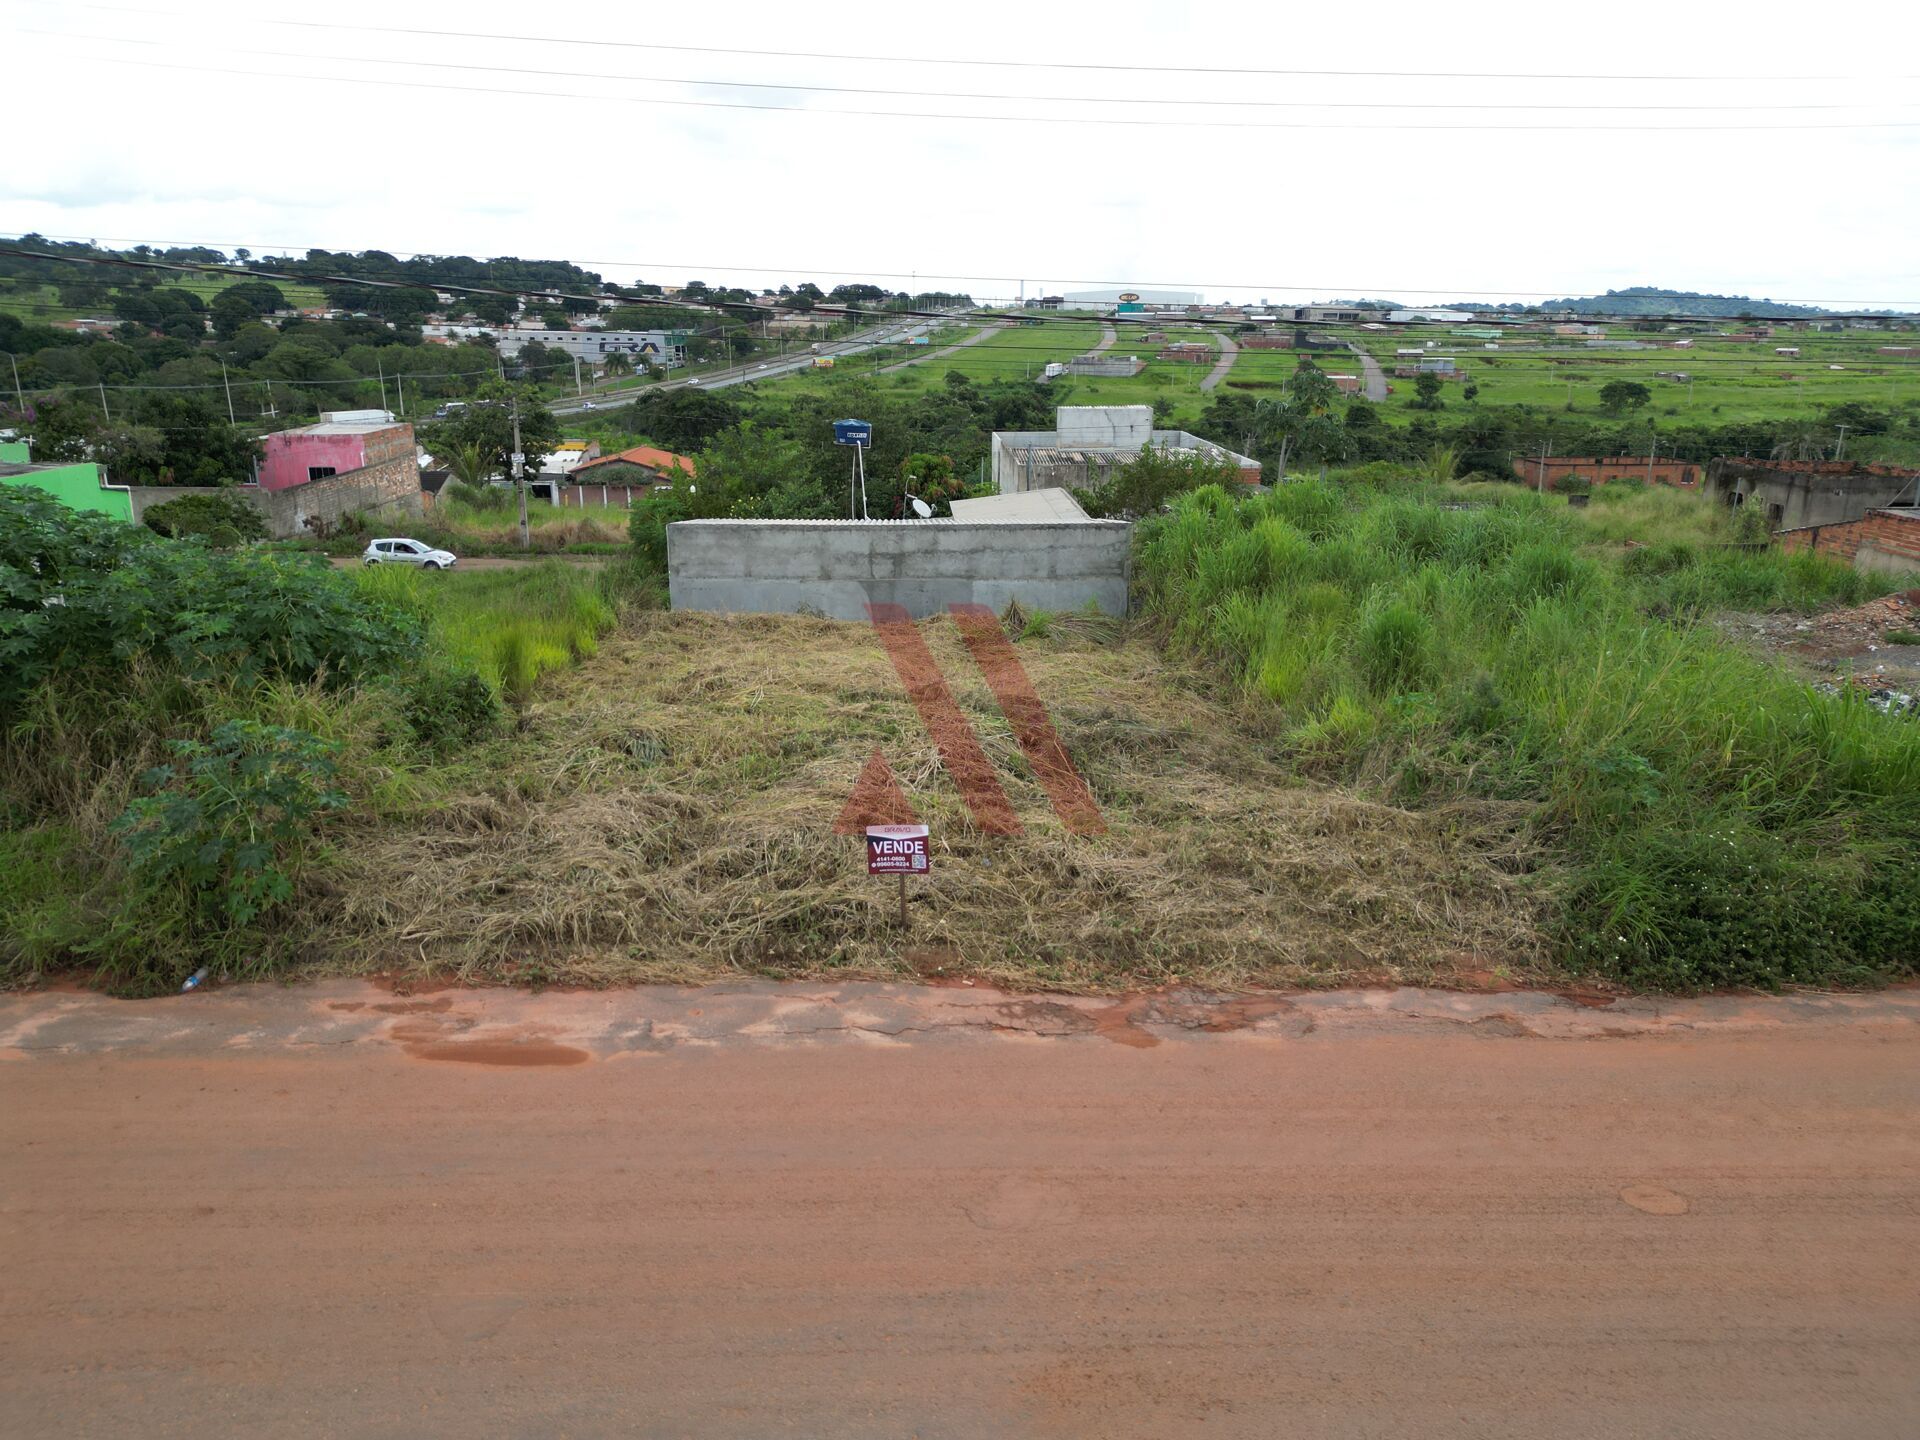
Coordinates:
(921, 507)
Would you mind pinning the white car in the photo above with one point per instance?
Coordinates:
(407, 552)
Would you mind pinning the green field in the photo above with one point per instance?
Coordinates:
(40, 304)
(1732, 381)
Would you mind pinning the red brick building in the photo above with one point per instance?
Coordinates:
(1546, 474)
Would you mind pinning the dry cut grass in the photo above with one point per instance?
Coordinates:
(667, 814)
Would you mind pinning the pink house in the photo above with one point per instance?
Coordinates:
(343, 441)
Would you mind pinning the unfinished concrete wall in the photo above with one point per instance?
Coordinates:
(1107, 427)
(1796, 495)
(837, 568)
(1109, 367)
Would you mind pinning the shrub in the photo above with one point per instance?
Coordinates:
(224, 519)
(228, 821)
(1663, 559)
(75, 595)
(1395, 649)
(446, 707)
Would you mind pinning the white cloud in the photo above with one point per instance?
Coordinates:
(260, 159)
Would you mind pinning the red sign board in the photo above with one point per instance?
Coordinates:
(897, 850)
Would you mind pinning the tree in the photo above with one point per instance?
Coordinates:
(750, 472)
(238, 305)
(1303, 422)
(555, 317)
(468, 462)
(488, 425)
(618, 363)
(1144, 485)
(681, 420)
(931, 477)
(1429, 385)
(1617, 396)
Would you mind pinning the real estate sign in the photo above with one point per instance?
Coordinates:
(897, 850)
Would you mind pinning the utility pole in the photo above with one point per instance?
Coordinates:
(380, 369)
(1541, 487)
(520, 473)
(577, 390)
(401, 381)
(105, 413)
(20, 396)
(229, 389)
(1651, 449)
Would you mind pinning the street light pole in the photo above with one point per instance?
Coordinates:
(520, 474)
(19, 395)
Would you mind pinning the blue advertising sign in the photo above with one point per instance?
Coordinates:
(853, 432)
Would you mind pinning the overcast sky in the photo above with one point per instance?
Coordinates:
(121, 152)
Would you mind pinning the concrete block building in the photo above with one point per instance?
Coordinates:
(368, 459)
(1088, 442)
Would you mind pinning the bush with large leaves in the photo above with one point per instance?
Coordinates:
(80, 591)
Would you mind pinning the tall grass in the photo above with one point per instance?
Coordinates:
(1720, 822)
(509, 625)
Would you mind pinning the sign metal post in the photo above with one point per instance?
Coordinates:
(900, 850)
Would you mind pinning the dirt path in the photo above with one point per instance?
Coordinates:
(1229, 352)
(1373, 380)
(488, 562)
(867, 1212)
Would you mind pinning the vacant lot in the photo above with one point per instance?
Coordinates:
(667, 813)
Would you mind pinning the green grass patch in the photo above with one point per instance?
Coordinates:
(509, 625)
(1716, 821)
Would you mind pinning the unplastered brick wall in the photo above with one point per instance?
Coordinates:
(1887, 539)
(1598, 470)
(392, 486)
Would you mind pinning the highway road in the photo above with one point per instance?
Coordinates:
(868, 1211)
(886, 333)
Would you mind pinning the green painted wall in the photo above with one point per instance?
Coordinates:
(77, 487)
(15, 452)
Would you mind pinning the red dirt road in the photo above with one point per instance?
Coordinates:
(869, 1211)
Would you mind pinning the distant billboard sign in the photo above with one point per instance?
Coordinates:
(853, 432)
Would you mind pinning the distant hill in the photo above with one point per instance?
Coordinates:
(1650, 300)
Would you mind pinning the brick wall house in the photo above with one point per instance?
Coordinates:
(318, 473)
(1878, 540)
(1597, 470)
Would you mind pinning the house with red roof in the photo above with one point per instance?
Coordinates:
(640, 465)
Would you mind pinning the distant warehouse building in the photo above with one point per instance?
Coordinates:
(1132, 297)
(666, 348)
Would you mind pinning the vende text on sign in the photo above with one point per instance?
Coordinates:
(897, 850)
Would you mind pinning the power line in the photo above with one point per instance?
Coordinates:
(1125, 122)
(1159, 69)
(1130, 100)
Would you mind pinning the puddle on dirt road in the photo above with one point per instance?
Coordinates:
(1655, 1200)
(1021, 1201)
(497, 1050)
